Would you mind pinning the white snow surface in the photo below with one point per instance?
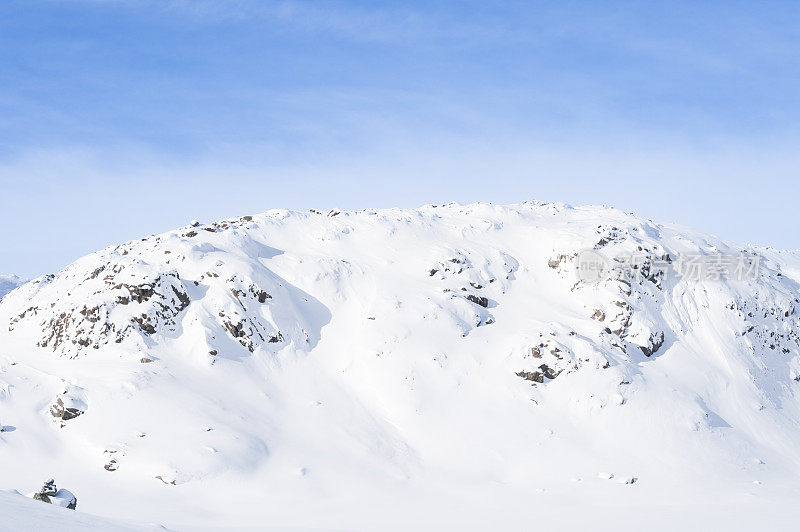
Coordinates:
(9, 283)
(18, 512)
(327, 371)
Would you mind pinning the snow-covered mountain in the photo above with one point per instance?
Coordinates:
(446, 366)
(8, 283)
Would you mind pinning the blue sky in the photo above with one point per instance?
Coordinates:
(125, 118)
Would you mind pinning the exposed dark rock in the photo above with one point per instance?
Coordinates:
(59, 410)
(534, 376)
(263, 296)
(654, 343)
(235, 329)
(479, 300)
(59, 497)
(161, 300)
(599, 315)
(549, 372)
(145, 325)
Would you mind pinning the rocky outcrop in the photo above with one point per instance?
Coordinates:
(68, 405)
(117, 298)
(479, 300)
(57, 497)
(654, 343)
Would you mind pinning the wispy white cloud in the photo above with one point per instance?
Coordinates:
(167, 111)
(76, 200)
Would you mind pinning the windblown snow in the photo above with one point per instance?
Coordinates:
(392, 369)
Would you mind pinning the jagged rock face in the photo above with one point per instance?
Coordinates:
(125, 303)
(135, 295)
(639, 307)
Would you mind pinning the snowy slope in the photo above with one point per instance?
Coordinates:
(8, 283)
(382, 369)
(18, 512)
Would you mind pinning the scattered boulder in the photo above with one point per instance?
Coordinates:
(479, 300)
(549, 372)
(654, 343)
(535, 376)
(68, 405)
(57, 497)
(113, 463)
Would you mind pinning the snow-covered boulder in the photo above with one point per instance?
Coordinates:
(57, 497)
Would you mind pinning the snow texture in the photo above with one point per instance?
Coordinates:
(385, 370)
(9, 283)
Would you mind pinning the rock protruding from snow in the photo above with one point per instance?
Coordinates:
(57, 497)
(137, 295)
(435, 343)
(69, 405)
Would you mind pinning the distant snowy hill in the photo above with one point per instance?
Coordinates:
(8, 283)
(450, 366)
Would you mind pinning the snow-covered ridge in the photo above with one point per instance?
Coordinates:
(366, 347)
(214, 279)
(9, 283)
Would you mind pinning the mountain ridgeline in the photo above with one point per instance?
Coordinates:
(234, 349)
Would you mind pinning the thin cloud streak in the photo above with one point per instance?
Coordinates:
(136, 111)
(81, 192)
